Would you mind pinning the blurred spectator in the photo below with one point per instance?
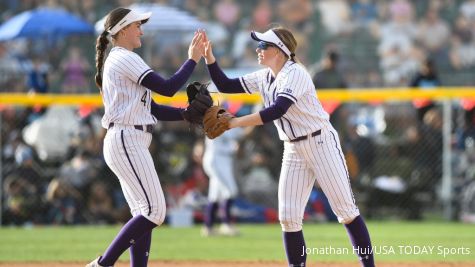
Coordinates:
(398, 56)
(373, 79)
(37, 76)
(125, 2)
(228, 13)
(462, 30)
(465, 167)
(465, 134)
(75, 69)
(261, 140)
(328, 75)
(21, 201)
(433, 33)
(100, 204)
(261, 15)
(37, 82)
(364, 12)
(426, 78)
(462, 49)
(10, 71)
(336, 16)
(221, 41)
(12, 140)
(79, 172)
(257, 185)
(399, 63)
(87, 10)
(9, 6)
(296, 14)
(467, 203)
(425, 150)
(448, 9)
(191, 192)
(401, 11)
(468, 10)
(70, 5)
(241, 43)
(64, 203)
(469, 116)
(27, 168)
(360, 152)
(462, 55)
(201, 8)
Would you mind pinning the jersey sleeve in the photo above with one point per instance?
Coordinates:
(294, 84)
(136, 68)
(250, 82)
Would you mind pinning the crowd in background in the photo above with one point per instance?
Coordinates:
(382, 43)
(344, 44)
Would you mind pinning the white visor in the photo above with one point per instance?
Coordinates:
(270, 37)
(132, 16)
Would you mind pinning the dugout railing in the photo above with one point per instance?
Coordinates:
(395, 103)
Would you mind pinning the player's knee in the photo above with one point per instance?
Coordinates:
(346, 214)
(348, 218)
(157, 219)
(155, 214)
(290, 225)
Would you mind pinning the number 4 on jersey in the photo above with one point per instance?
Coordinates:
(144, 98)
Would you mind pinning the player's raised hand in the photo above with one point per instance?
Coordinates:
(195, 50)
(208, 50)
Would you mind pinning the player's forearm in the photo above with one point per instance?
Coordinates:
(166, 113)
(169, 87)
(276, 110)
(222, 82)
(245, 121)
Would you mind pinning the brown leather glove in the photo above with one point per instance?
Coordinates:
(216, 121)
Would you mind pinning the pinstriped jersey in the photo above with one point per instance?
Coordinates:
(306, 115)
(125, 100)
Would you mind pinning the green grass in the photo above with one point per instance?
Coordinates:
(257, 242)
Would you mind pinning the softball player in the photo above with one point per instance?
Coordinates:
(311, 145)
(126, 82)
(218, 163)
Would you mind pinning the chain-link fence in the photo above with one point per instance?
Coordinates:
(404, 162)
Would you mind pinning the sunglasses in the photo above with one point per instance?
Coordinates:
(264, 45)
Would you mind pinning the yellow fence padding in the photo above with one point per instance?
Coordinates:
(348, 95)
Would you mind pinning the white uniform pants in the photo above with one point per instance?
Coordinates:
(127, 155)
(319, 158)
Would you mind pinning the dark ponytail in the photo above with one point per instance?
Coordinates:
(101, 45)
(102, 42)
